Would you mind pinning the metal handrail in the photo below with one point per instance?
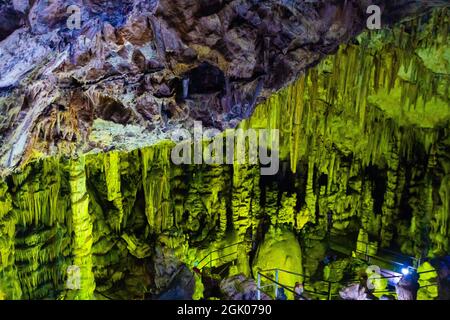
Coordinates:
(383, 249)
(278, 284)
(287, 271)
(430, 285)
(413, 259)
(104, 295)
(329, 282)
(305, 276)
(217, 250)
(218, 258)
(380, 258)
(385, 277)
(297, 274)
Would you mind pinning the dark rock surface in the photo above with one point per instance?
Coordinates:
(182, 286)
(239, 287)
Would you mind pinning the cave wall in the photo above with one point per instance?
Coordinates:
(364, 137)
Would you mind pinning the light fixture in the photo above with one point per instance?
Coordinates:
(405, 271)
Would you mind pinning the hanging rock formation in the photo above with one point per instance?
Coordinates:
(131, 62)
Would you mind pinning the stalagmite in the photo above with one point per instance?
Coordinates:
(155, 179)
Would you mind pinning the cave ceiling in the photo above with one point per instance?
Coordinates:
(156, 65)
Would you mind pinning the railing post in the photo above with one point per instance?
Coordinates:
(258, 293)
(417, 262)
(276, 284)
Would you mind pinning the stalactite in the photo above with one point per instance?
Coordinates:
(310, 196)
(243, 188)
(113, 185)
(297, 100)
(130, 176)
(42, 262)
(155, 179)
(205, 201)
(9, 282)
(377, 85)
(439, 225)
(369, 221)
(178, 196)
(286, 214)
(390, 198)
(257, 210)
(39, 193)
